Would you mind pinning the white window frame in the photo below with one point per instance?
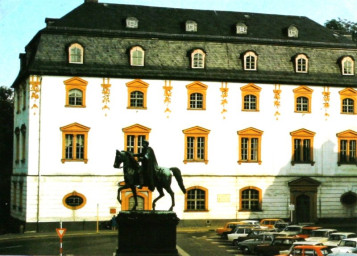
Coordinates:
(134, 60)
(241, 28)
(191, 26)
(350, 71)
(73, 47)
(298, 66)
(247, 60)
(293, 32)
(198, 64)
(132, 22)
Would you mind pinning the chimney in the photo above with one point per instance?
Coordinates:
(91, 1)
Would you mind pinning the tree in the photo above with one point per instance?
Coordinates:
(343, 26)
(6, 151)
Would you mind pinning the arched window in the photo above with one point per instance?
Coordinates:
(137, 94)
(196, 199)
(75, 97)
(250, 102)
(347, 66)
(191, 26)
(196, 93)
(250, 61)
(75, 54)
(250, 97)
(198, 59)
(301, 63)
(293, 31)
(348, 98)
(250, 199)
(137, 55)
(303, 97)
(75, 92)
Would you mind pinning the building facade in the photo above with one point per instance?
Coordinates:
(258, 112)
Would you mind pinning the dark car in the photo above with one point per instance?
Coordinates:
(248, 246)
(278, 244)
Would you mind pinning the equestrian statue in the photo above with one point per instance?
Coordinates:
(148, 174)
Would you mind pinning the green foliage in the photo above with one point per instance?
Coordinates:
(343, 26)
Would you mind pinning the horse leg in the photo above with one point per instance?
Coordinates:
(133, 189)
(172, 194)
(119, 190)
(161, 194)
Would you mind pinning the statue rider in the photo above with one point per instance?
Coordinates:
(148, 166)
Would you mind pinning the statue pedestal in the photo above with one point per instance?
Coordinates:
(147, 233)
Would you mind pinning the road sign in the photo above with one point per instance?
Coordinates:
(61, 232)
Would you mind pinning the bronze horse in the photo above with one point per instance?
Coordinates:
(162, 178)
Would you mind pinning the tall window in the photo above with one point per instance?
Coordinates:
(347, 142)
(17, 145)
(301, 63)
(75, 54)
(196, 199)
(137, 94)
(302, 146)
(75, 97)
(137, 56)
(136, 99)
(303, 96)
(75, 92)
(250, 199)
(23, 142)
(198, 59)
(196, 93)
(347, 66)
(250, 145)
(250, 97)
(75, 143)
(134, 137)
(348, 98)
(250, 61)
(196, 144)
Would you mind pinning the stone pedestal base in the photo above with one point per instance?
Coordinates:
(147, 233)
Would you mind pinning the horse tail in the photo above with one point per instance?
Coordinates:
(177, 173)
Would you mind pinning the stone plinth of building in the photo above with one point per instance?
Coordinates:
(147, 233)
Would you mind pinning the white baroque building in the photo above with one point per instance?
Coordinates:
(255, 120)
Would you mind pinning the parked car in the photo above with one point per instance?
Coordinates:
(248, 246)
(251, 222)
(307, 230)
(280, 226)
(289, 251)
(270, 223)
(227, 227)
(310, 250)
(321, 235)
(278, 244)
(347, 245)
(239, 232)
(335, 238)
(292, 230)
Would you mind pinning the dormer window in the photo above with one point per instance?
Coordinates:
(241, 29)
(75, 54)
(132, 22)
(293, 32)
(250, 61)
(191, 26)
(198, 59)
(301, 63)
(347, 66)
(137, 56)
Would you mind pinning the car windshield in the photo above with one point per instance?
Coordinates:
(242, 231)
(319, 233)
(336, 237)
(348, 243)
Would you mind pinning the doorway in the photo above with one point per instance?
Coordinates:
(303, 210)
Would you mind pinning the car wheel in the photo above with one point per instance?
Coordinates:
(245, 250)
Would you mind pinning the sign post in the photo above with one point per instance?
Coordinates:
(291, 209)
(60, 232)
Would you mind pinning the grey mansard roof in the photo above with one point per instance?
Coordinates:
(101, 29)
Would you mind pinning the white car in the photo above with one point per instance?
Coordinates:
(321, 235)
(348, 245)
(239, 232)
(335, 238)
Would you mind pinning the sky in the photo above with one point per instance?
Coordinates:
(20, 20)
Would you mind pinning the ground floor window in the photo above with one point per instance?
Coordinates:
(196, 199)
